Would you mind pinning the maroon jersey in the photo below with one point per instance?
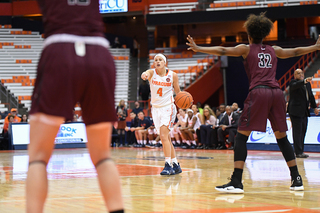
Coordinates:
(261, 66)
(77, 17)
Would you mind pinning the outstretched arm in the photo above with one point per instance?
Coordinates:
(147, 75)
(240, 50)
(298, 51)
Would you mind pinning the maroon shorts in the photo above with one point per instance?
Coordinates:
(263, 103)
(63, 79)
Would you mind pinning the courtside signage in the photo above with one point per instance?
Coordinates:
(312, 135)
(68, 133)
(113, 6)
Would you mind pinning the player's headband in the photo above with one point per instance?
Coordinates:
(162, 56)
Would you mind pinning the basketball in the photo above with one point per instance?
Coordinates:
(183, 100)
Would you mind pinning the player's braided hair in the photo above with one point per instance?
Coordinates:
(258, 27)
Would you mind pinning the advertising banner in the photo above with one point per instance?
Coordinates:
(113, 6)
(68, 133)
(312, 135)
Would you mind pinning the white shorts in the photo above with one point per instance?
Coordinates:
(164, 116)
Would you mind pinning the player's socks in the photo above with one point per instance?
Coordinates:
(168, 160)
(294, 171)
(237, 173)
(174, 160)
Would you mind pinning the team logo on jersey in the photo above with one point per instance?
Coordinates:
(168, 79)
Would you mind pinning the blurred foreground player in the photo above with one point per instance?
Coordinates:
(265, 98)
(75, 66)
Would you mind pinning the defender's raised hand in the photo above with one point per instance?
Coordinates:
(192, 45)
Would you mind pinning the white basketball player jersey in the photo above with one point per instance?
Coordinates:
(197, 124)
(161, 89)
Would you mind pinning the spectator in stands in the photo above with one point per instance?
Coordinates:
(144, 92)
(6, 125)
(5, 141)
(137, 108)
(115, 137)
(208, 130)
(181, 123)
(16, 119)
(189, 132)
(116, 43)
(24, 118)
(200, 120)
(200, 109)
(131, 137)
(122, 113)
(152, 135)
(235, 108)
(140, 131)
(301, 99)
(222, 109)
(228, 126)
(75, 118)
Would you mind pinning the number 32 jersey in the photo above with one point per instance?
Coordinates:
(261, 65)
(161, 89)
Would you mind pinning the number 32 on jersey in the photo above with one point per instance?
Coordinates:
(265, 60)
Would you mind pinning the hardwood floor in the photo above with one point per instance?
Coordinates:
(73, 186)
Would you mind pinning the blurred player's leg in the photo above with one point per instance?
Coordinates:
(99, 139)
(43, 130)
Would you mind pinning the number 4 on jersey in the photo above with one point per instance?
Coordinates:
(159, 92)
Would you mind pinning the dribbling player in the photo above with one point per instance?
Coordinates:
(265, 98)
(75, 66)
(162, 83)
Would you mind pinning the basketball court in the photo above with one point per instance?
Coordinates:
(73, 186)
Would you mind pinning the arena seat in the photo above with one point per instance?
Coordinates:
(172, 7)
(19, 55)
(186, 67)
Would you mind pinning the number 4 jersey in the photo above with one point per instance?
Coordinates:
(261, 65)
(161, 89)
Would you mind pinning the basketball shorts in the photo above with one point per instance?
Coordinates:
(164, 116)
(65, 78)
(262, 104)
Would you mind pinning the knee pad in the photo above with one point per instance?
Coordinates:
(286, 149)
(240, 147)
